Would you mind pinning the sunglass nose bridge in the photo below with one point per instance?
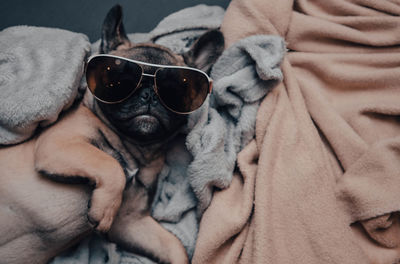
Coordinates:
(149, 75)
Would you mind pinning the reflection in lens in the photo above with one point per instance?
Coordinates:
(182, 90)
(112, 79)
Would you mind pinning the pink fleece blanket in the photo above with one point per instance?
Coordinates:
(320, 183)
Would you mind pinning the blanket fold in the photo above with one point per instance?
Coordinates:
(40, 72)
(323, 171)
(243, 75)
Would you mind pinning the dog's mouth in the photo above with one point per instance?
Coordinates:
(141, 119)
(143, 126)
(148, 124)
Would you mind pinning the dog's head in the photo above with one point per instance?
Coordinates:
(142, 116)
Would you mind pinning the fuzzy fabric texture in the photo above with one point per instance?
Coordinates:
(320, 182)
(40, 70)
(242, 76)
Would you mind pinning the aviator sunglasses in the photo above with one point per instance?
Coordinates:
(112, 79)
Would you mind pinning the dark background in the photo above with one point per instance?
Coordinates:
(86, 16)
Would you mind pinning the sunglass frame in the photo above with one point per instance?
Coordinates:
(155, 88)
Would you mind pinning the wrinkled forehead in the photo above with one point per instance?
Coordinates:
(150, 53)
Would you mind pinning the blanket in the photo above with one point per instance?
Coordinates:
(320, 182)
(200, 161)
(40, 70)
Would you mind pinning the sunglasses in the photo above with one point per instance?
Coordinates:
(113, 79)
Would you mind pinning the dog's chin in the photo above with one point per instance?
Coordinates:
(143, 129)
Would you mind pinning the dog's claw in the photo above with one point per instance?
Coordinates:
(92, 222)
(101, 215)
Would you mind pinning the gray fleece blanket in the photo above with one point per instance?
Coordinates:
(40, 70)
(205, 157)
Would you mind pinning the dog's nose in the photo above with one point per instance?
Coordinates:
(147, 95)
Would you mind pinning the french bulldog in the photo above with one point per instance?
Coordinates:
(113, 156)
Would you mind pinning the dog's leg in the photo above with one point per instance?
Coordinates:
(81, 159)
(147, 237)
(135, 230)
(69, 159)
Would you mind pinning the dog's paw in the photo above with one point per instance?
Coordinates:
(102, 211)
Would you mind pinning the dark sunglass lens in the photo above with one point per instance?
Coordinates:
(182, 90)
(111, 79)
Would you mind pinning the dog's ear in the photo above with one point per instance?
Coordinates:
(113, 32)
(205, 51)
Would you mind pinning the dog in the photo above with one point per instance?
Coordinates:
(113, 158)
